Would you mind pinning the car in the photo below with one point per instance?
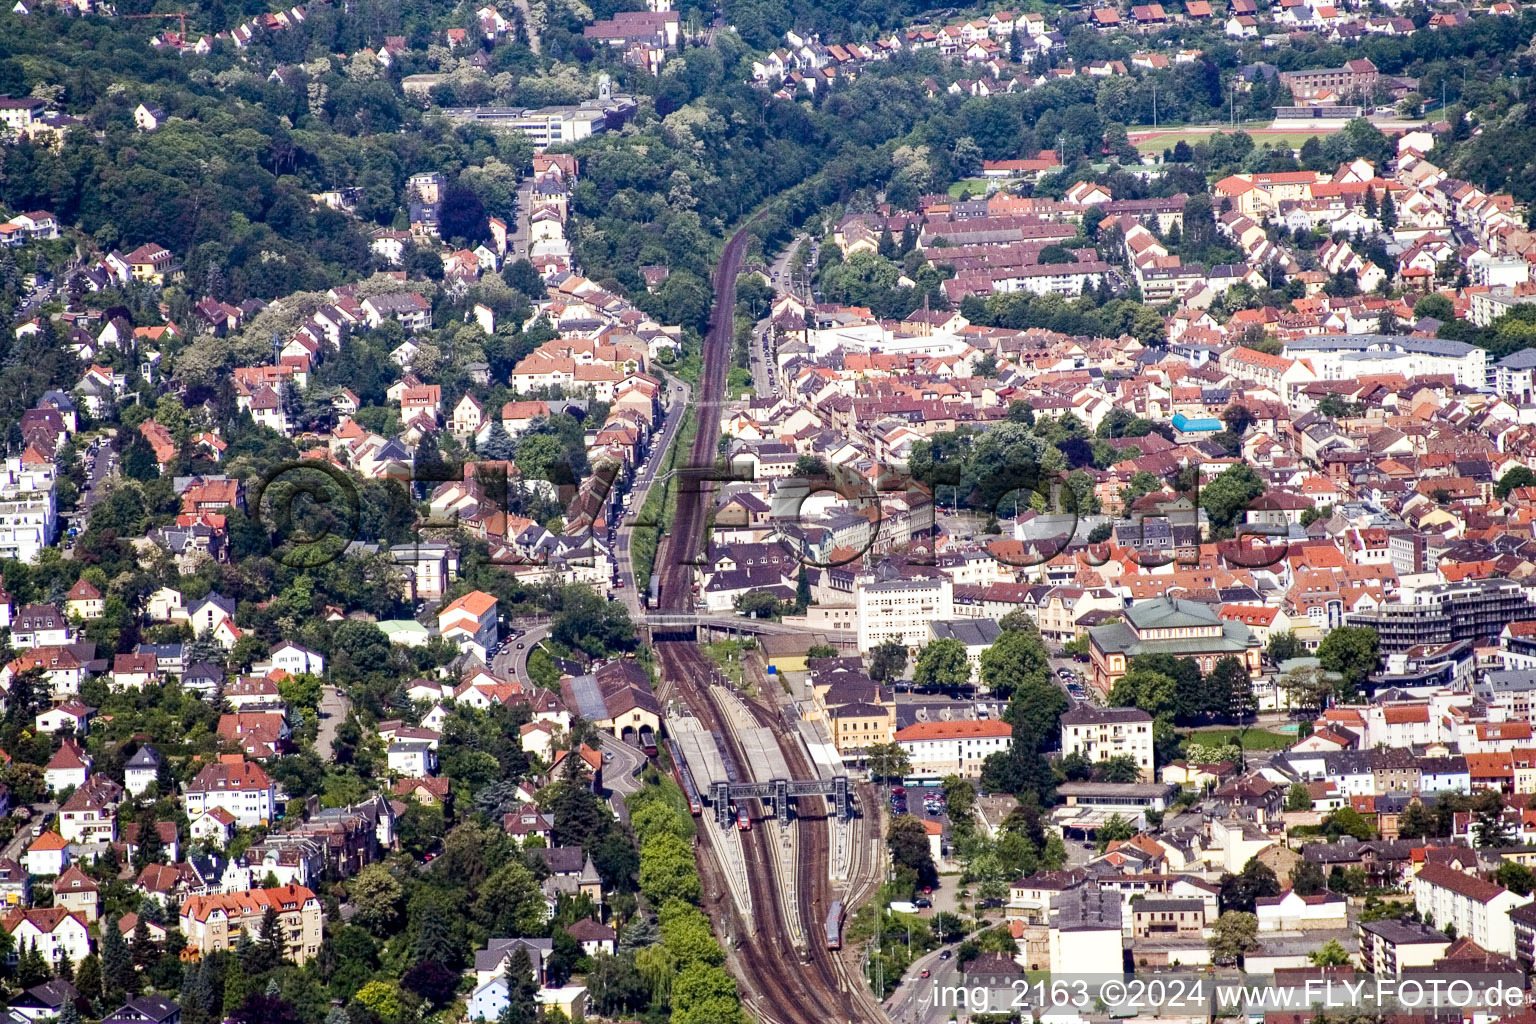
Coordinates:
(607, 755)
(946, 954)
(519, 646)
(900, 789)
(926, 972)
(923, 901)
(927, 889)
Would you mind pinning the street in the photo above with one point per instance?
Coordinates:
(333, 711)
(16, 849)
(763, 384)
(100, 466)
(632, 590)
(511, 662)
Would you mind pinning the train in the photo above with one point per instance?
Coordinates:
(648, 740)
(835, 925)
(684, 779)
(726, 760)
(743, 819)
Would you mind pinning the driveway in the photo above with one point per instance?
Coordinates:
(333, 711)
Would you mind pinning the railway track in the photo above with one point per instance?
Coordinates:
(783, 984)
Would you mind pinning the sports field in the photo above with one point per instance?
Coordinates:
(1156, 142)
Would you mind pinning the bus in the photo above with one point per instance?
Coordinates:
(743, 820)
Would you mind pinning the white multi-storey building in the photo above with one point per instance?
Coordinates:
(1477, 909)
(29, 517)
(900, 611)
(1352, 356)
(1100, 734)
(938, 749)
(239, 786)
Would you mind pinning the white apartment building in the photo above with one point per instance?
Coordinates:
(900, 611)
(937, 749)
(1351, 356)
(29, 517)
(237, 785)
(1103, 733)
(1478, 909)
(1086, 932)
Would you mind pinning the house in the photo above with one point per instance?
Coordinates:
(938, 749)
(1291, 912)
(470, 623)
(296, 660)
(84, 601)
(77, 893)
(1101, 734)
(215, 827)
(48, 855)
(71, 715)
(44, 1002)
(148, 116)
(142, 770)
(238, 786)
(52, 931)
(594, 936)
(144, 1009)
(90, 813)
(69, 766)
(215, 922)
(528, 821)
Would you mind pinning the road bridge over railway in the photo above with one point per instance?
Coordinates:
(780, 792)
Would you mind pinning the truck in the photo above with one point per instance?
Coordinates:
(903, 907)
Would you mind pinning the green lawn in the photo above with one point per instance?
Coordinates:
(975, 186)
(1289, 139)
(1253, 739)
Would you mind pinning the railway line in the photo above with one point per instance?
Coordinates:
(782, 983)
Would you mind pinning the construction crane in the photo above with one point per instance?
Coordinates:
(178, 14)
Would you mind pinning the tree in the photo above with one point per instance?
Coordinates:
(1016, 658)
(1307, 878)
(1416, 822)
(1283, 646)
(1346, 821)
(1515, 877)
(1435, 305)
(943, 663)
(1229, 681)
(1330, 955)
(116, 961)
(887, 662)
(522, 1007)
(1491, 829)
(667, 870)
(1115, 830)
(1227, 497)
(1034, 710)
(150, 849)
(908, 842)
(1235, 934)
(1298, 797)
(432, 981)
(887, 761)
(1388, 211)
(1351, 651)
(375, 895)
(1519, 476)
(1120, 769)
(1255, 881)
(820, 651)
